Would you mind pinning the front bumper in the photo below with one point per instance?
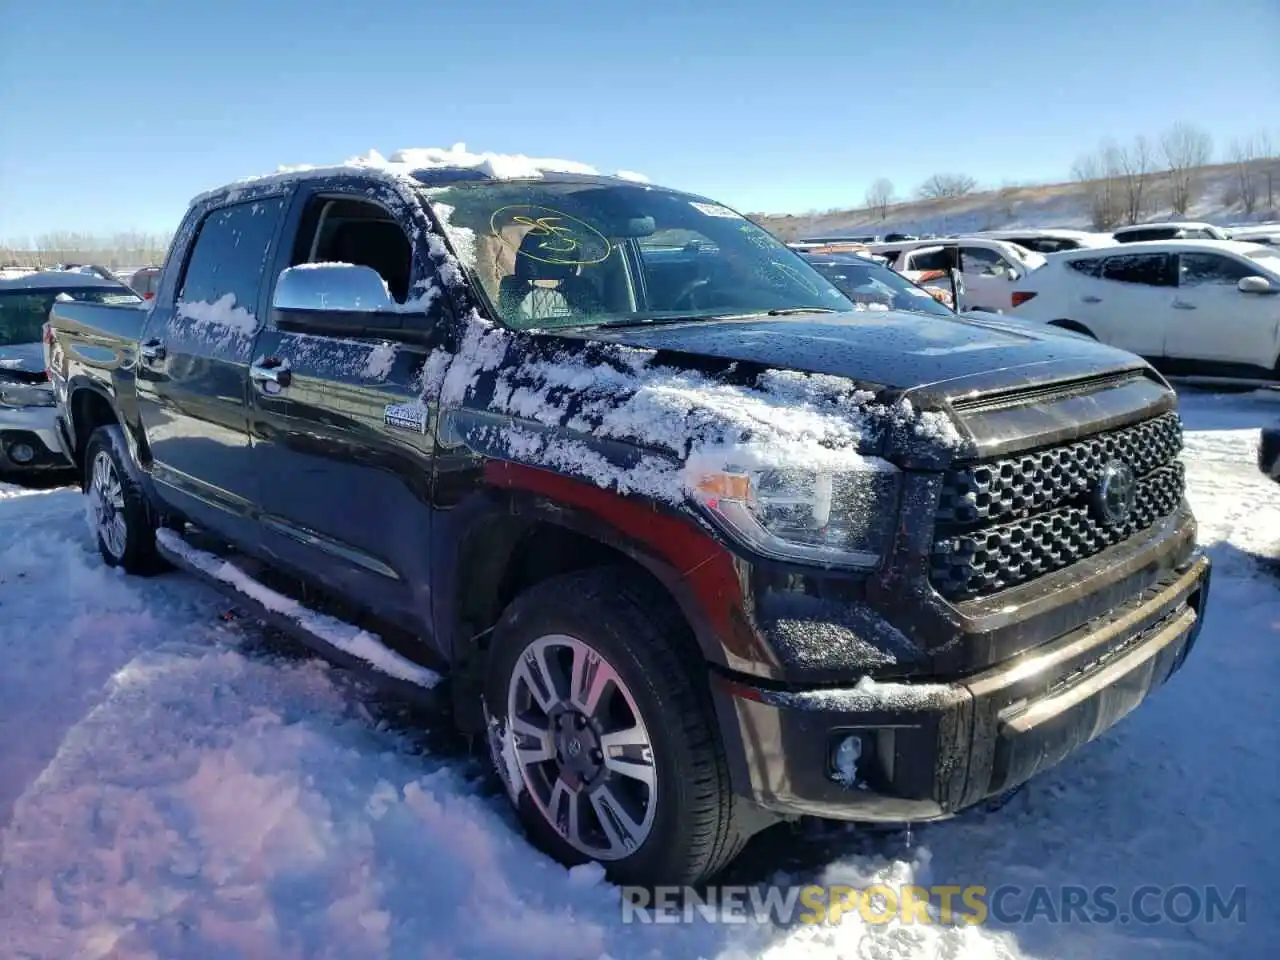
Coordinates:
(33, 427)
(930, 750)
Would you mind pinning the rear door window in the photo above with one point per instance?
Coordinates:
(231, 253)
(1146, 269)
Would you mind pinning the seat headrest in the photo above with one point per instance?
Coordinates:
(531, 261)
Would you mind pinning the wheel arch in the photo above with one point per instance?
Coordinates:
(521, 538)
(1073, 325)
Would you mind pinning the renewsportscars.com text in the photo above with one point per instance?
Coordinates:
(946, 904)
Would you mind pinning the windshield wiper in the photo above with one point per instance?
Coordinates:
(790, 311)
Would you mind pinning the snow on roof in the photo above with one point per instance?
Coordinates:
(402, 165)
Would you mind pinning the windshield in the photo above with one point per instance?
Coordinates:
(1267, 259)
(873, 287)
(586, 254)
(24, 312)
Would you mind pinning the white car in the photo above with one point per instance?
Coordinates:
(1209, 307)
(988, 268)
(1050, 239)
(1170, 230)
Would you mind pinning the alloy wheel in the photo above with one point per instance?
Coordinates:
(106, 498)
(582, 749)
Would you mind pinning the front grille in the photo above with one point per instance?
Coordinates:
(1007, 521)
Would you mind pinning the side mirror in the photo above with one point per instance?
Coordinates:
(331, 288)
(335, 299)
(1255, 285)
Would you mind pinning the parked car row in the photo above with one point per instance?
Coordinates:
(706, 534)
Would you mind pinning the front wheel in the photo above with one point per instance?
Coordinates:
(604, 734)
(118, 509)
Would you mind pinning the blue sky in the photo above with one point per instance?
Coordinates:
(112, 121)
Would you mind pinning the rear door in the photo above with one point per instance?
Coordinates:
(193, 367)
(342, 451)
(1130, 303)
(1211, 320)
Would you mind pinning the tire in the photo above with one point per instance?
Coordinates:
(122, 521)
(687, 826)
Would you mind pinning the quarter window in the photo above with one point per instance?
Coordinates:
(1089, 266)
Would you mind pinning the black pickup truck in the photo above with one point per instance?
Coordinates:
(698, 543)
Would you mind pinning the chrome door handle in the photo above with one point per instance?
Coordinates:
(271, 370)
(1183, 305)
(151, 350)
(1090, 299)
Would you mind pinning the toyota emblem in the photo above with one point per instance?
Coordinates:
(1115, 493)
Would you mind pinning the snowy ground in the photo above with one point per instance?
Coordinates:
(175, 785)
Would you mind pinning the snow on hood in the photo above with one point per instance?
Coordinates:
(566, 401)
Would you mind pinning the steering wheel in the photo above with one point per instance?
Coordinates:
(687, 293)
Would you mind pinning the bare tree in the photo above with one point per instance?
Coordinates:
(1186, 148)
(118, 250)
(1100, 174)
(1137, 164)
(1244, 156)
(1269, 159)
(879, 196)
(947, 186)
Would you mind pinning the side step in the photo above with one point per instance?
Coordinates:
(342, 643)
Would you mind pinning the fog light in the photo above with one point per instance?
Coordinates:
(844, 760)
(22, 453)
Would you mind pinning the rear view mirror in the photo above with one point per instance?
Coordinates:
(331, 287)
(1255, 285)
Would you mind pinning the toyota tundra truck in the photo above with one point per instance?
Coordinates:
(695, 545)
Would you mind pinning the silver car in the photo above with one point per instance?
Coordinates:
(28, 433)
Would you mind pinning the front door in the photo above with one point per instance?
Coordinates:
(192, 377)
(987, 279)
(1212, 321)
(342, 447)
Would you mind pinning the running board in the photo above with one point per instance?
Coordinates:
(337, 641)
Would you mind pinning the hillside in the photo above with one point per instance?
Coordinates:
(1048, 205)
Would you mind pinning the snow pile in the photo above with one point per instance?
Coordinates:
(344, 636)
(381, 360)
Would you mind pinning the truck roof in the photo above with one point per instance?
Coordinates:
(435, 166)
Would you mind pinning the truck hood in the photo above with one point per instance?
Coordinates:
(920, 355)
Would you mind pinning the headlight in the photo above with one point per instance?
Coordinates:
(22, 395)
(842, 519)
